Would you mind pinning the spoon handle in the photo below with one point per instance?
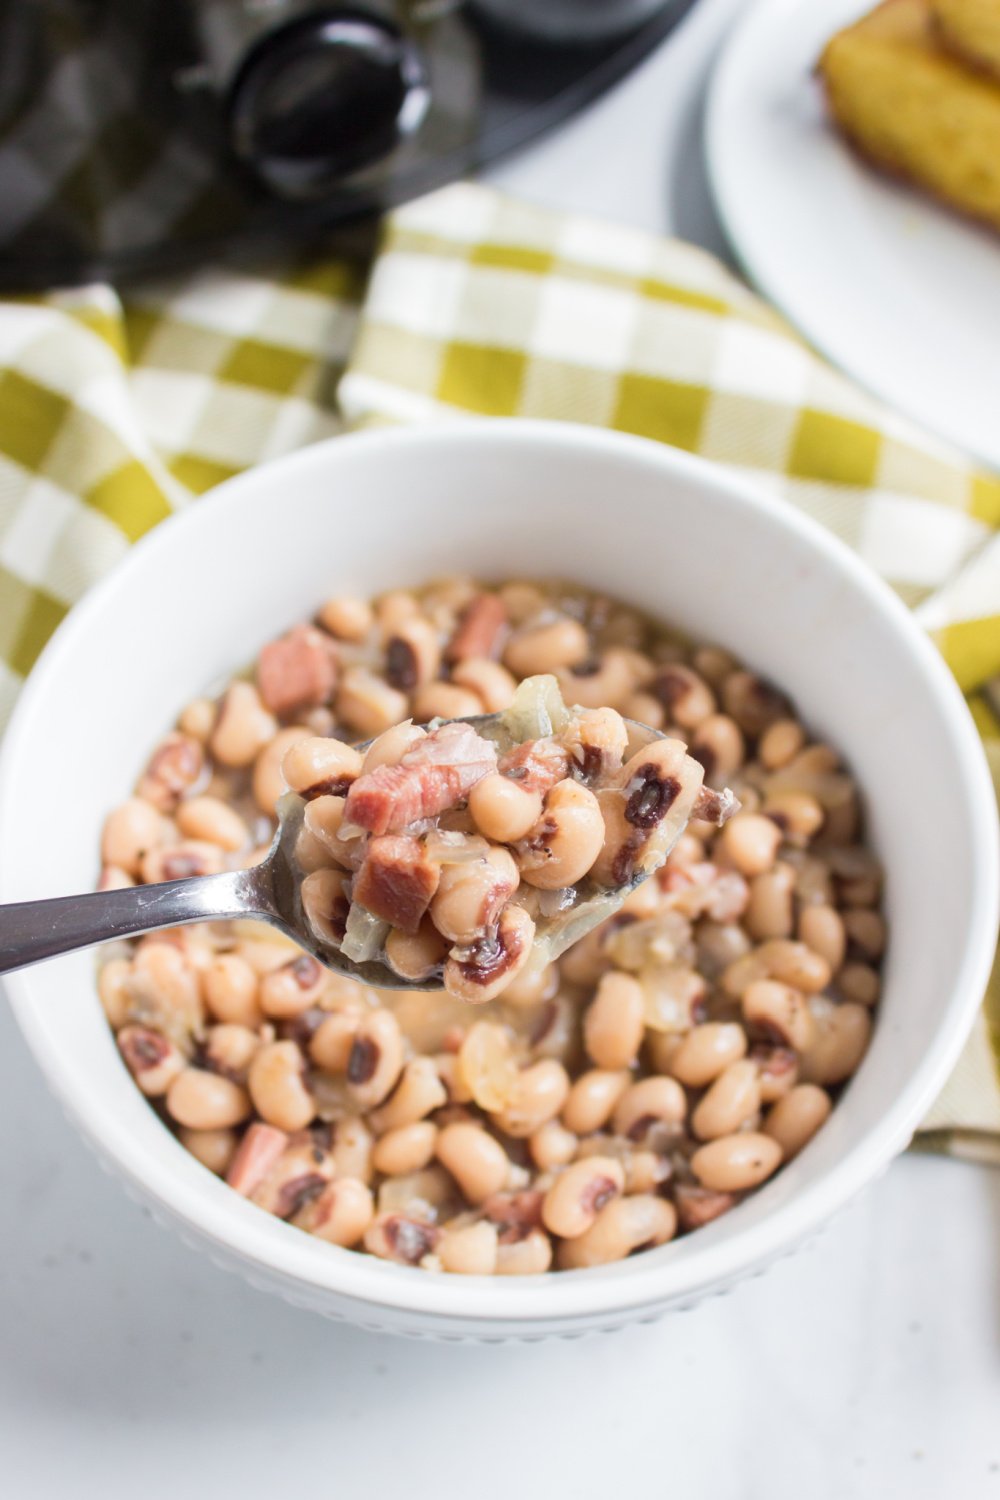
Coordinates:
(33, 930)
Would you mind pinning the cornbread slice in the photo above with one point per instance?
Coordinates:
(911, 108)
(972, 29)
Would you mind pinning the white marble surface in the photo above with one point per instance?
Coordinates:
(867, 1366)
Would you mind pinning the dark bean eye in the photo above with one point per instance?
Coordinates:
(401, 665)
(363, 1060)
(651, 798)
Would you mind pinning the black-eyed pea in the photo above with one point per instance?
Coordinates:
(229, 986)
(228, 1049)
(579, 1193)
(330, 1044)
(376, 1058)
(289, 990)
(780, 743)
(547, 648)
(388, 748)
(566, 842)
(687, 697)
(267, 782)
(206, 1101)
(609, 682)
(714, 664)
(770, 909)
(340, 1214)
(651, 1101)
(113, 991)
(181, 861)
(523, 601)
(445, 700)
(315, 767)
(842, 1033)
(706, 1051)
(719, 944)
(734, 1163)
(114, 878)
(592, 1099)
(529, 1256)
(718, 744)
(750, 843)
(346, 617)
(752, 702)
(866, 933)
(475, 1159)
(163, 976)
(493, 963)
(614, 1022)
(412, 654)
(470, 1250)
(779, 1013)
(326, 905)
(278, 1087)
(821, 927)
(395, 1236)
(152, 1059)
(130, 832)
(470, 896)
(367, 704)
(492, 684)
(197, 719)
(416, 955)
(175, 766)
(623, 1225)
(795, 1119)
(645, 1171)
(730, 1102)
(536, 984)
(352, 1148)
(215, 1149)
(645, 709)
(210, 819)
(405, 1149)
(859, 982)
(537, 1094)
(393, 609)
(243, 727)
(552, 1145)
(418, 1092)
(502, 810)
(797, 815)
(779, 958)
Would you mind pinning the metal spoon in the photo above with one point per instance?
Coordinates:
(34, 930)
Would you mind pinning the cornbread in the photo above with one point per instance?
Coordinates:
(971, 28)
(913, 109)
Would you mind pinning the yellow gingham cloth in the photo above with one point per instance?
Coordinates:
(116, 410)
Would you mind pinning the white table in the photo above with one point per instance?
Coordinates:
(866, 1366)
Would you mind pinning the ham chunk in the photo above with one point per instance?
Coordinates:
(397, 880)
(255, 1158)
(536, 765)
(298, 671)
(480, 630)
(714, 807)
(438, 773)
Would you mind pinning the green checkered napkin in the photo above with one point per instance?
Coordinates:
(115, 411)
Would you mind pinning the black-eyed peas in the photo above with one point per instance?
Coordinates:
(278, 1088)
(793, 1120)
(672, 1060)
(475, 1159)
(623, 1225)
(566, 841)
(614, 1022)
(734, 1163)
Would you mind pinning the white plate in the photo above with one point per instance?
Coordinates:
(901, 293)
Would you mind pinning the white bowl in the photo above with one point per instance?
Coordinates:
(671, 534)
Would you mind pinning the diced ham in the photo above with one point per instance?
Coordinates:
(536, 765)
(298, 671)
(480, 629)
(397, 881)
(436, 774)
(256, 1156)
(715, 807)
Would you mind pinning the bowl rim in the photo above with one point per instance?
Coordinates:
(269, 1248)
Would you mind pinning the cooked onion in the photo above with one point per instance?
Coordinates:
(537, 709)
(446, 847)
(364, 936)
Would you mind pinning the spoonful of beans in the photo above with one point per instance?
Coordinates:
(450, 856)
